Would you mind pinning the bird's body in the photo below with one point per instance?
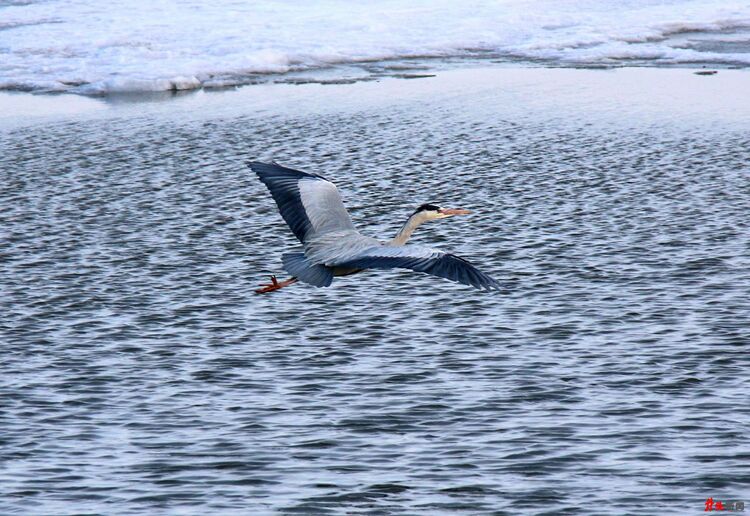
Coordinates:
(314, 211)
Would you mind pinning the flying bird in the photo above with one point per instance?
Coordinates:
(313, 209)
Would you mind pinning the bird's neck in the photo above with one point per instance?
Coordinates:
(408, 228)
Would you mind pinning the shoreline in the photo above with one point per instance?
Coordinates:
(723, 93)
(366, 70)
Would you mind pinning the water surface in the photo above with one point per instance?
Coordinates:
(141, 375)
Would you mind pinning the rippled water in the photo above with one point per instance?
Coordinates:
(140, 375)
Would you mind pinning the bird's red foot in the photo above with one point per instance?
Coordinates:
(274, 285)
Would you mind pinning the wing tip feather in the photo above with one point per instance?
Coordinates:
(276, 170)
(440, 264)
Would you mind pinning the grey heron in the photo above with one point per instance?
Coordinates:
(313, 209)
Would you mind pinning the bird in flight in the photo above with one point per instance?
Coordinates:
(313, 209)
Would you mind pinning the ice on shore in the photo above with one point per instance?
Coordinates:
(134, 45)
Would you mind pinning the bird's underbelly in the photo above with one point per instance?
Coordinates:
(345, 271)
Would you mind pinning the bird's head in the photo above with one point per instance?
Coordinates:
(434, 212)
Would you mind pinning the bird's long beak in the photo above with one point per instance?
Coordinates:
(454, 211)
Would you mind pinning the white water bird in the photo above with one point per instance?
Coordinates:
(313, 209)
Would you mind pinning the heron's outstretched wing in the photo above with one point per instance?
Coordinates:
(309, 203)
(421, 259)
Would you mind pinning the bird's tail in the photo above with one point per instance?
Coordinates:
(297, 265)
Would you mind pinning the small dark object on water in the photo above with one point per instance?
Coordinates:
(706, 72)
(412, 75)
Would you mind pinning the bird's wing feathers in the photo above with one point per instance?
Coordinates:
(421, 259)
(312, 207)
(309, 203)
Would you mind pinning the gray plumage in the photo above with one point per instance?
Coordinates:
(313, 209)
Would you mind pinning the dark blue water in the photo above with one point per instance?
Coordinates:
(141, 375)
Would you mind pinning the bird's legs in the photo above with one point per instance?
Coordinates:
(275, 285)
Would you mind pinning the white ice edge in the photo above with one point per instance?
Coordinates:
(139, 46)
